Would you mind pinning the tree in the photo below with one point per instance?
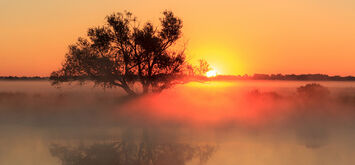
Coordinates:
(121, 53)
(203, 67)
(313, 91)
(200, 70)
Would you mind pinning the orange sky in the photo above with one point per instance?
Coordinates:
(235, 37)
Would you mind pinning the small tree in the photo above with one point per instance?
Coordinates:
(200, 70)
(122, 53)
(313, 91)
(203, 67)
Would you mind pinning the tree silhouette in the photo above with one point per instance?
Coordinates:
(122, 53)
(199, 70)
(203, 67)
(313, 91)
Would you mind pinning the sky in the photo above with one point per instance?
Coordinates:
(235, 37)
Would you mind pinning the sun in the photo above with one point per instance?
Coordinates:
(211, 73)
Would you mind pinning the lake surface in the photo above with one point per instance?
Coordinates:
(45, 86)
(241, 122)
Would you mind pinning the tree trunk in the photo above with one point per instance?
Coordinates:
(129, 91)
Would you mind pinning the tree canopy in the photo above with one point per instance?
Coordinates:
(123, 53)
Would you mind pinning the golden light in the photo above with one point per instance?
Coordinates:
(211, 73)
(224, 58)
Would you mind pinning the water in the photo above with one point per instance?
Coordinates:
(243, 122)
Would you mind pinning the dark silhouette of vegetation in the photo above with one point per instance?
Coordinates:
(257, 94)
(122, 53)
(193, 72)
(313, 77)
(313, 91)
(23, 78)
(200, 70)
(121, 153)
(287, 77)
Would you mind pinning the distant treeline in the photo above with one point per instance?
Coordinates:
(23, 78)
(293, 77)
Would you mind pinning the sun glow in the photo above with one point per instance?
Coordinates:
(211, 73)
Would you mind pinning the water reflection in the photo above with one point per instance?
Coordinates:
(134, 146)
(267, 124)
(116, 153)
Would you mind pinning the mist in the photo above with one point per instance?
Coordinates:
(254, 122)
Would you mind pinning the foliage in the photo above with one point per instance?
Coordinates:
(313, 91)
(122, 53)
(200, 70)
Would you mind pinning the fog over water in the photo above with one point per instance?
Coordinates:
(243, 122)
